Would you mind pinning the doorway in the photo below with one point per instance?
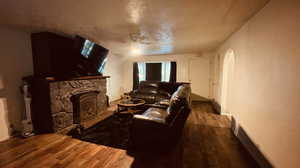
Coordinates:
(227, 77)
(199, 78)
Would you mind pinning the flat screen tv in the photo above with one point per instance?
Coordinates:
(92, 56)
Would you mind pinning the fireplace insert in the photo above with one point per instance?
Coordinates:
(84, 106)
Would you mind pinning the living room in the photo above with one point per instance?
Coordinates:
(149, 83)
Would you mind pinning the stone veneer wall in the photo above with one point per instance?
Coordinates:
(61, 105)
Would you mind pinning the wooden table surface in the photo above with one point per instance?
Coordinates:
(123, 104)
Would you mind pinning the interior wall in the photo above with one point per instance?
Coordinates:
(15, 62)
(114, 69)
(265, 98)
(184, 70)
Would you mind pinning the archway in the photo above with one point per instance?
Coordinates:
(227, 77)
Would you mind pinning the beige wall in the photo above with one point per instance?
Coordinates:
(265, 98)
(186, 70)
(114, 69)
(4, 124)
(15, 62)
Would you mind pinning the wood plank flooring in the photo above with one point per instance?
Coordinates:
(207, 143)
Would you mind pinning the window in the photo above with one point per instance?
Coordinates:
(157, 71)
(165, 71)
(142, 71)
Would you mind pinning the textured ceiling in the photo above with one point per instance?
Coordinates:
(145, 27)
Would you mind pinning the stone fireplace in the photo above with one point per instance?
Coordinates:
(76, 101)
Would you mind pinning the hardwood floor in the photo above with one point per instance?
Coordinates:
(207, 143)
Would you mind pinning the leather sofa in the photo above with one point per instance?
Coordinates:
(154, 92)
(162, 128)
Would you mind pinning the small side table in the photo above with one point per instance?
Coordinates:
(130, 105)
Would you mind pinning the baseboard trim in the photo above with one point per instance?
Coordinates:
(5, 138)
(249, 145)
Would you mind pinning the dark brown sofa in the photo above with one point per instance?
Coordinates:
(161, 128)
(154, 92)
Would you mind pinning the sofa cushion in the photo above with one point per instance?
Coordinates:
(156, 113)
(149, 98)
(165, 102)
(149, 90)
(164, 93)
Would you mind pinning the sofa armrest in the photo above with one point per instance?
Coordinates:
(145, 130)
(148, 119)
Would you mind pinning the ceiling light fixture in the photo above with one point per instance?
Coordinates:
(136, 51)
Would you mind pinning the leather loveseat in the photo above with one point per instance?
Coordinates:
(162, 128)
(154, 92)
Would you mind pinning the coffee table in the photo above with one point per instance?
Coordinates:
(130, 105)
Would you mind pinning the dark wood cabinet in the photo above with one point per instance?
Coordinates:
(41, 106)
(53, 55)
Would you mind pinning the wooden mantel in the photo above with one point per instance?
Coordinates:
(52, 79)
